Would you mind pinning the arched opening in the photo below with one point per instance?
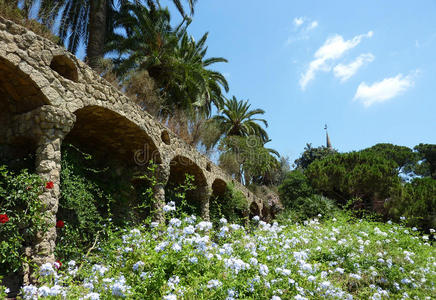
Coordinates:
(165, 137)
(112, 136)
(208, 167)
(113, 155)
(226, 202)
(18, 94)
(183, 185)
(254, 210)
(65, 67)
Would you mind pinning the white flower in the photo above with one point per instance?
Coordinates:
(154, 224)
(189, 229)
(30, 292)
(256, 218)
(92, 296)
(71, 263)
(171, 206)
(204, 226)
(253, 261)
(46, 269)
(235, 226)
(223, 221)
(263, 270)
(176, 247)
(355, 276)
(44, 291)
(211, 284)
(55, 290)
(276, 298)
(137, 265)
(170, 297)
(193, 260)
(100, 269)
(175, 222)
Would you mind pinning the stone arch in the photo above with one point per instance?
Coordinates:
(65, 67)
(219, 187)
(18, 92)
(254, 209)
(179, 167)
(112, 135)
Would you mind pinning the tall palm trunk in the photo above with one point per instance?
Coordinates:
(97, 32)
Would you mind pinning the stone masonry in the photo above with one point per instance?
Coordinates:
(48, 95)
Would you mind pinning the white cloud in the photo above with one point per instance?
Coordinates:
(384, 90)
(345, 72)
(312, 25)
(332, 49)
(298, 21)
(302, 27)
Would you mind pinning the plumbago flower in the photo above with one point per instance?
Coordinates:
(188, 259)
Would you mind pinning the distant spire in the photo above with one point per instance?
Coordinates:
(329, 144)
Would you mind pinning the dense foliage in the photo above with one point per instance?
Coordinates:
(311, 154)
(247, 158)
(21, 216)
(232, 205)
(416, 201)
(354, 175)
(294, 186)
(339, 258)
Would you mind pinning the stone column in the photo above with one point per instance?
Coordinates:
(204, 193)
(162, 176)
(48, 126)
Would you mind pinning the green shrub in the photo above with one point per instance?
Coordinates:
(304, 208)
(22, 216)
(92, 197)
(232, 206)
(294, 186)
(363, 175)
(416, 201)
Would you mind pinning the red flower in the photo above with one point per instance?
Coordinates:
(60, 224)
(4, 218)
(49, 185)
(57, 264)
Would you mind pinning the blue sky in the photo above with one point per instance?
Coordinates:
(366, 68)
(373, 81)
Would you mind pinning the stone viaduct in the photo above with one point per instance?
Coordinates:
(48, 96)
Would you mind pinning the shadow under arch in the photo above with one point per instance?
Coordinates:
(226, 202)
(180, 166)
(254, 209)
(18, 94)
(110, 135)
(219, 187)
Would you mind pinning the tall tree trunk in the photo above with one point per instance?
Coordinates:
(97, 32)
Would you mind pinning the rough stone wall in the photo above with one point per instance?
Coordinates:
(47, 94)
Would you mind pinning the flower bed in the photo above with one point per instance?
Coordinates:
(338, 258)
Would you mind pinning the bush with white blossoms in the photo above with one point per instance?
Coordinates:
(338, 258)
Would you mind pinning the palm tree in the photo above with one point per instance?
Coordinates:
(90, 21)
(172, 58)
(236, 119)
